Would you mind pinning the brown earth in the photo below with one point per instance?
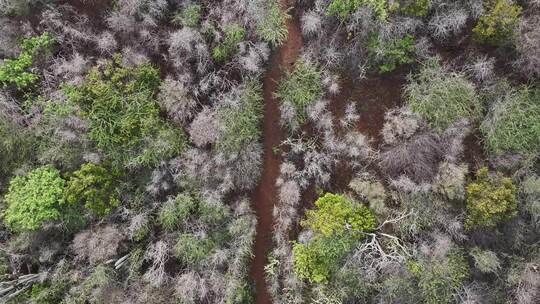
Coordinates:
(265, 194)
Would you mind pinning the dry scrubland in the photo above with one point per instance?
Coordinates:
(264, 151)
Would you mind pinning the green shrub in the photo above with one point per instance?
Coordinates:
(17, 71)
(490, 200)
(440, 280)
(92, 287)
(513, 125)
(119, 102)
(34, 199)
(316, 260)
(337, 215)
(300, 87)
(189, 16)
(272, 28)
(337, 223)
(177, 210)
(48, 293)
(497, 25)
(233, 34)
(242, 122)
(440, 96)
(212, 213)
(92, 186)
(389, 54)
(413, 7)
(16, 148)
(343, 8)
(485, 260)
(193, 250)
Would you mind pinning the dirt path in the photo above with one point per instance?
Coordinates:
(265, 194)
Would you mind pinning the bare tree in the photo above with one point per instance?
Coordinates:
(158, 253)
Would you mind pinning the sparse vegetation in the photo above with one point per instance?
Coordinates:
(306, 152)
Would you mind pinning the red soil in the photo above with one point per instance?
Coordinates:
(265, 194)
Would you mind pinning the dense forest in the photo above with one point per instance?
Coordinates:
(270, 151)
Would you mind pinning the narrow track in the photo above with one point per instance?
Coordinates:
(265, 194)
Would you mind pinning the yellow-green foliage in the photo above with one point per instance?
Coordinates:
(343, 8)
(34, 199)
(316, 260)
(92, 186)
(497, 25)
(337, 215)
(490, 200)
(337, 223)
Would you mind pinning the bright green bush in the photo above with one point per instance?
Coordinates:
(389, 54)
(301, 87)
(440, 96)
(176, 210)
(92, 186)
(189, 16)
(337, 215)
(513, 124)
(17, 71)
(272, 28)
(192, 250)
(497, 25)
(34, 199)
(337, 223)
(343, 8)
(242, 122)
(119, 102)
(233, 34)
(490, 200)
(316, 260)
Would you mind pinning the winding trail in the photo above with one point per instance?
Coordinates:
(265, 194)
